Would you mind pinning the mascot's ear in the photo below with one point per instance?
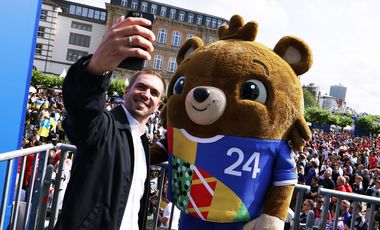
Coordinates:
(296, 53)
(188, 47)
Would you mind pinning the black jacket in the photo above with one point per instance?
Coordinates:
(102, 169)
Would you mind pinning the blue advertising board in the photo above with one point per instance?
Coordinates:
(18, 24)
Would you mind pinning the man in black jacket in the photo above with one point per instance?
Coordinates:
(109, 183)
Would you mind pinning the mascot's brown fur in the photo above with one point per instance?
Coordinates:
(239, 87)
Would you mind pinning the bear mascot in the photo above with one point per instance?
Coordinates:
(234, 106)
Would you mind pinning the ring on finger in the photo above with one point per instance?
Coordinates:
(129, 41)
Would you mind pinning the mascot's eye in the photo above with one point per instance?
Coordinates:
(178, 85)
(254, 90)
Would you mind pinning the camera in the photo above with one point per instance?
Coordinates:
(134, 63)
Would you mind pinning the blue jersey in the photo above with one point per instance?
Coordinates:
(225, 178)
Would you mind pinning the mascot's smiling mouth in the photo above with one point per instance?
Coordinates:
(205, 104)
(205, 107)
(201, 110)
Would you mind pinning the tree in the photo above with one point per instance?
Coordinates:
(309, 99)
(370, 123)
(44, 81)
(344, 121)
(116, 87)
(318, 116)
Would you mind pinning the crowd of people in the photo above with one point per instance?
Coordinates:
(343, 162)
(333, 160)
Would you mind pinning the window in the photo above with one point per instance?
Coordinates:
(181, 16)
(84, 12)
(41, 32)
(134, 4)
(144, 6)
(208, 21)
(145, 64)
(43, 15)
(190, 18)
(172, 13)
(38, 49)
(219, 22)
(81, 26)
(124, 3)
(97, 14)
(163, 11)
(157, 62)
(91, 13)
(199, 20)
(162, 35)
(78, 10)
(176, 39)
(213, 23)
(74, 55)
(103, 15)
(172, 65)
(153, 9)
(72, 9)
(79, 40)
(188, 36)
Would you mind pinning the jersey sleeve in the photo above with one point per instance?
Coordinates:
(284, 167)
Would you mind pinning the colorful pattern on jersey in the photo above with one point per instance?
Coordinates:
(225, 178)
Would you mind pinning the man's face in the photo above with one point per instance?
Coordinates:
(144, 97)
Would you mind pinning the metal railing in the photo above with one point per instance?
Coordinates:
(328, 194)
(41, 179)
(38, 189)
(34, 188)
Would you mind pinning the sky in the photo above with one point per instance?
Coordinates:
(344, 36)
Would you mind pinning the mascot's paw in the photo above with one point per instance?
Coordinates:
(265, 222)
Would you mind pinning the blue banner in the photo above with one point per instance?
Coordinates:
(18, 23)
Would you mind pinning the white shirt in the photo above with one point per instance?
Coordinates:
(136, 192)
(176, 214)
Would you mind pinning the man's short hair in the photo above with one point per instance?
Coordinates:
(346, 203)
(146, 71)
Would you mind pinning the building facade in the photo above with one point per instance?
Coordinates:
(173, 26)
(329, 103)
(338, 91)
(69, 30)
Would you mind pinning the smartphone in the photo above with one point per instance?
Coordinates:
(134, 63)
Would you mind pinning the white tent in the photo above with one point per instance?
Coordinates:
(63, 74)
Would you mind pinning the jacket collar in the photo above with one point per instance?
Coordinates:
(121, 119)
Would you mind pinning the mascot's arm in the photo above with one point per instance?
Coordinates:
(275, 209)
(278, 201)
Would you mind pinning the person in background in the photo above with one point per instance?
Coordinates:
(318, 210)
(360, 220)
(345, 207)
(357, 187)
(307, 206)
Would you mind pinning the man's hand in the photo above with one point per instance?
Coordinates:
(122, 40)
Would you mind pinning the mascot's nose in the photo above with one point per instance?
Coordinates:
(200, 94)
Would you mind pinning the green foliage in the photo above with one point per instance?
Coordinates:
(370, 123)
(344, 121)
(318, 116)
(309, 99)
(44, 81)
(116, 87)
